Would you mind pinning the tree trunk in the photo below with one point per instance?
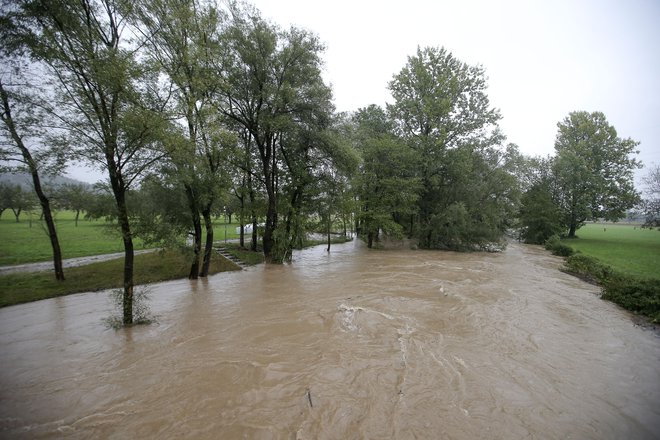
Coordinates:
(119, 190)
(271, 224)
(571, 230)
(253, 212)
(127, 302)
(197, 232)
(77, 215)
(50, 225)
(208, 247)
(255, 236)
(17, 213)
(43, 200)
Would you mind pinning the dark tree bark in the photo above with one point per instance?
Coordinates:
(36, 181)
(208, 246)
(197, 232)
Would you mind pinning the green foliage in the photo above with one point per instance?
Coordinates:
(540, 217)
(587, 267)
(468, 190)
(639, 295)
(623, 260)
(594, 170)
(554, 245)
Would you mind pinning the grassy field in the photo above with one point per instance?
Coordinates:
(627, 248)
(27, 241)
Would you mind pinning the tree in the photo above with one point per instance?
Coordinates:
(14, 128)
(540, 216)
(13, 197)
(594, 170)
(651, 204)
(442, 112)
(272, 87)
(386, 186)
(182, 37)
(83, 46)
(75, 197)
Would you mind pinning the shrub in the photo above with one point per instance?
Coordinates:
(637, 295)
(554, 245)
(587, 267)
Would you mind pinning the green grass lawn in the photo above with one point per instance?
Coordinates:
(27, 241)
(149, 267)
(627, 248)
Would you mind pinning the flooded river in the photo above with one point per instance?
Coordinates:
(352, 345)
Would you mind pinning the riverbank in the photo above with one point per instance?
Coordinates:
(622, 259)
(34, 282)
(150, 267)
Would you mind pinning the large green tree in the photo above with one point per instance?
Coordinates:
(272, 87)
(594, 170)
(182, 37)
(385, 185)
(99, 94)
(442, 111)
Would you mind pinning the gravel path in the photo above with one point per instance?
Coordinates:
(71, 262)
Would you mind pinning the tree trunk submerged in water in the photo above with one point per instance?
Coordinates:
(208, 247)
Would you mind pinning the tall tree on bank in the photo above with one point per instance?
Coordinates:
(83, 46)
(386, 186)
(13, 127)
(182, 36)
(594, 170)
(442, 111)
(272, 84)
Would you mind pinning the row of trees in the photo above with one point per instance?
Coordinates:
(189, 106)
(74, 197)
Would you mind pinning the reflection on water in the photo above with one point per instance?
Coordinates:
(352, 344)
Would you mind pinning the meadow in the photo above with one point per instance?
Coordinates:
(627, 248)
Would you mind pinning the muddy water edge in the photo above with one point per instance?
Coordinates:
(352, 344)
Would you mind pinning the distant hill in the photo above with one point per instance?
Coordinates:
(25, 180)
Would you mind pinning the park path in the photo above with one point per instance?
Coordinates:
(69, 262)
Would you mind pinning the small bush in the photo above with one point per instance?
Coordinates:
(554, 245)
(588, 268)
(637, 295)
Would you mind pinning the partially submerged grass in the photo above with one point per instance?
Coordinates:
(150, 267)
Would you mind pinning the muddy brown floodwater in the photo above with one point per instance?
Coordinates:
(351, 345)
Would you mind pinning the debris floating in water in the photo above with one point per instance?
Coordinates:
(309, 398)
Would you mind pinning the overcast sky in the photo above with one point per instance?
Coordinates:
(543, 59)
